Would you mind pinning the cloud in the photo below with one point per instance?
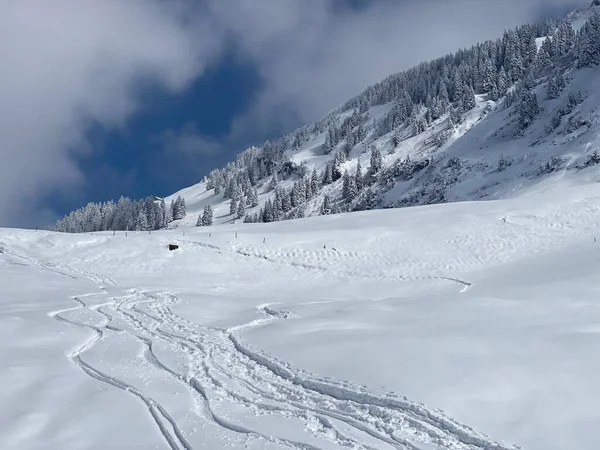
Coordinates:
(314, 57)
(188, 141)
(69, 63)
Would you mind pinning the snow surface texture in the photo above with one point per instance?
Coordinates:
(308, 334)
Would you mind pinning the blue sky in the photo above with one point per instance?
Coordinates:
(133, 161)
(109, 98)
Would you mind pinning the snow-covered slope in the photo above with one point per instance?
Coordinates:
(308, 334)
(485, 152)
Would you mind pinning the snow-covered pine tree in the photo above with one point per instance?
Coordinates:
(179, 208)
(467, 102)
(233, 207)
(314, 181)
(358, 177)
(338, 161)
(542, 61)
(171, 212)
(141, 223)
(346, 185)
(528, 109)
(328, 174)
(164, 214)
(241, 209)
(207, 216)
(376, 163)
(254, 198)
(328, 145)
(326, 205)
(556, 84)
(589, 42)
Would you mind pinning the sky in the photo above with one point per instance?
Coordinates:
(103, 98)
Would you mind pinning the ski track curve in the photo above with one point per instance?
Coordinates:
(221, 364)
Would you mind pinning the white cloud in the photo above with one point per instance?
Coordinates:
(66, 63)
(312, 57)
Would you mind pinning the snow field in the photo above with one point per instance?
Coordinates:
(344, 331)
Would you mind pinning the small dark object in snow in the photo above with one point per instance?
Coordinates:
(173, 247)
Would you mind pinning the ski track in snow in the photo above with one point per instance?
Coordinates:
(221, 365)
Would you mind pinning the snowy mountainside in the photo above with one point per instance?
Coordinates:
(498, 146)
(496, 120)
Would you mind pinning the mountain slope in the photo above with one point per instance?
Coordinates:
(476, 140)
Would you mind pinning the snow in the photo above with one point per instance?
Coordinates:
(310, 333)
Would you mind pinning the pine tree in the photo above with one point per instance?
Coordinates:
(273, 183)
(589, 42)
(254, 198)
(171, 214)
(555, 86)
(376, 162)
(468, 99)
(232, 207)
(564, 38)
(488, 76)
(164, 215)
(528, 110)
(328, 145)
(358, 178)
(142, 221)
(338, 161)
(502, 82)
(396, 139)
(314, 182)
(328, 174)
(199, 222)
(364, 106)
(182, 208)
(179, 208)
(241, 209)
(326, 205)
(207, 216)
(542, 61)
(346, 185)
